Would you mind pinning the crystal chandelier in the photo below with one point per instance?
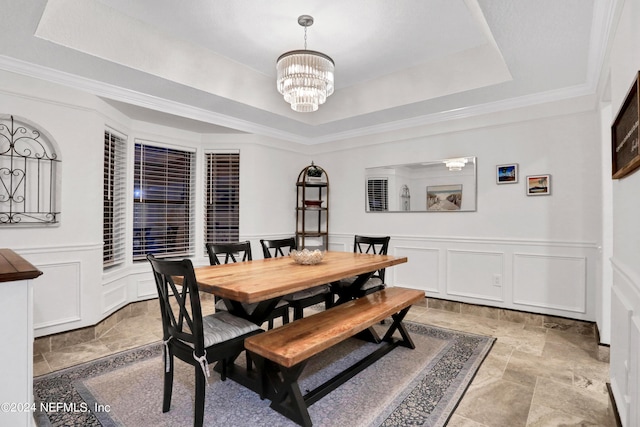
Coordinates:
(305, 77)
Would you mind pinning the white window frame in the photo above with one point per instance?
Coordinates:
(114, 199)
(162, 233)
(231, 223)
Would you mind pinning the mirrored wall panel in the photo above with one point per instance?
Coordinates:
(447, 185)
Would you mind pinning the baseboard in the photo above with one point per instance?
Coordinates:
(509, 314)
(614, 407)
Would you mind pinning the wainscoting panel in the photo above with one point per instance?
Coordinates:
(56, 295)
(634, 372)
(340, 246)
(146, 288)
(475, 274)
(555, 278)
(558, 282)
(625, 341)
(423, 272)
(114, 298)
(621, 313)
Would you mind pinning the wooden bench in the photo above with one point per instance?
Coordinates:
(281, 354)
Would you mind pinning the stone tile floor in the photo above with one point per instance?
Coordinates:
(539, 373)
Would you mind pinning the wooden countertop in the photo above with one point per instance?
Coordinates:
(14, 267)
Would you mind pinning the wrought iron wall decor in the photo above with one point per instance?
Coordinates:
(28, 175)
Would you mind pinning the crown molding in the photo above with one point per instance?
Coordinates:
(139, 99)
(463, 113)
(117, 93)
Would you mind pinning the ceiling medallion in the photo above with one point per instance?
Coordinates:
(305, 77)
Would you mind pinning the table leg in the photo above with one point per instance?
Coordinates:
(347, 293)
(258, 316)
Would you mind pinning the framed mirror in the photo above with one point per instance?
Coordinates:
(447, 185)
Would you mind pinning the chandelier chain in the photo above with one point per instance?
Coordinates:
(305, 38)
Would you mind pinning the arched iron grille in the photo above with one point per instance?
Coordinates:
(28, 176)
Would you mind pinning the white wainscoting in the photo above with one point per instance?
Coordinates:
(558, 282)
(146, 288)
(634, 373)
(625, 342)
(475, 274)
(56, 295)
(546, 277)
(426, 272)
(114, 297)
(553, 278)
(68, 293)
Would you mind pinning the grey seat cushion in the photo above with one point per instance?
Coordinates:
(249, 308)
(371, 283)
(223, 326)
(307, 293)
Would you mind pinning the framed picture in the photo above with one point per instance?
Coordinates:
(507, 174)
(625, 157)
(444, 198)
(538, 185)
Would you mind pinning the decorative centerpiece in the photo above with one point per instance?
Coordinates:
(307, 257)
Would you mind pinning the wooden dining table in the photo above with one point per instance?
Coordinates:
(264, 282)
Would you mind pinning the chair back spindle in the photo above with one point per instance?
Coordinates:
(372, 245)
(278, 246)
(232, 252)
(179, 304)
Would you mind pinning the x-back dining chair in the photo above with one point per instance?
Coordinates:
(299, 300)
(226, 252)
(189, 336)
(367, 245)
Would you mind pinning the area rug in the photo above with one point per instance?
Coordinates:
(419, 387)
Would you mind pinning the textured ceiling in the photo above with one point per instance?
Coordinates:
(398, 62)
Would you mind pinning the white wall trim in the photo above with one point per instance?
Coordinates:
(581, 307)
(59, 248)
(627, 273)
(172, 107)
(78, 289)
(436, 271)
(493, 254)
(482, 240)
(121, 292)
(143, 284)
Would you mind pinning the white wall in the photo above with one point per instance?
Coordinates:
(73, 291)
(625, 297)
(536, 254)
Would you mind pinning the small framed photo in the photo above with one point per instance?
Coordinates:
(507, 174)
(538, 185)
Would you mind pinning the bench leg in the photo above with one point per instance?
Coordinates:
(280, 385)
(369, 335)
(288, 399)
(399, 326)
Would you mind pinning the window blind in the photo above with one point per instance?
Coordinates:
(222, 195)
(377, 194)
(164, 202)
(114, 200)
